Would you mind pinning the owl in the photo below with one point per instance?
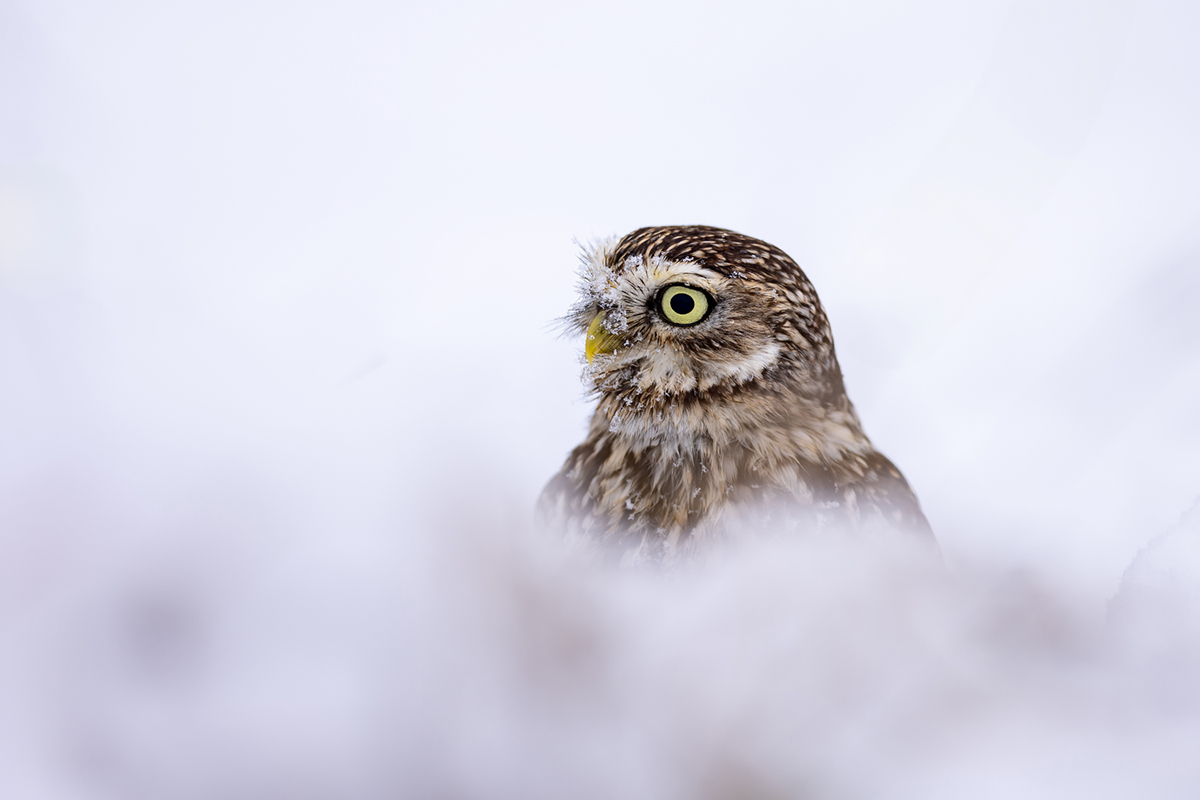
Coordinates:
(721, 406)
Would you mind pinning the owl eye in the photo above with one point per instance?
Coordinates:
(683, 305)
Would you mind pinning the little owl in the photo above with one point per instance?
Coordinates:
(721, 404)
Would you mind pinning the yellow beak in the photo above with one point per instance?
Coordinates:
(599, 339)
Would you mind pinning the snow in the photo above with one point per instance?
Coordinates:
(443, 656)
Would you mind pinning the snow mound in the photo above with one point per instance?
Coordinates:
(220, 646)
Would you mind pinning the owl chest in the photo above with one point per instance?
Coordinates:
(671, 495)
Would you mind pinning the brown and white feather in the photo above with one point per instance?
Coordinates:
(738, 422)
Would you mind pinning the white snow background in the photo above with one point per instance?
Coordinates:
(279, 385)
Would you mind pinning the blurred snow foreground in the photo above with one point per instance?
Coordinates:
(460, 655)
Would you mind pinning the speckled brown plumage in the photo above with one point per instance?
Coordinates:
(737, 423)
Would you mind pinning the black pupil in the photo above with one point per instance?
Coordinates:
(682, 304)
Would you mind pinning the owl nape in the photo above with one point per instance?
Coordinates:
(722, 411)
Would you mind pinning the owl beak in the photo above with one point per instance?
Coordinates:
(599, 340)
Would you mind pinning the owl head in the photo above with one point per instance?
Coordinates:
(719, 399)
(686, 311)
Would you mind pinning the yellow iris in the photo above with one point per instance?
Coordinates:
(683, 305)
